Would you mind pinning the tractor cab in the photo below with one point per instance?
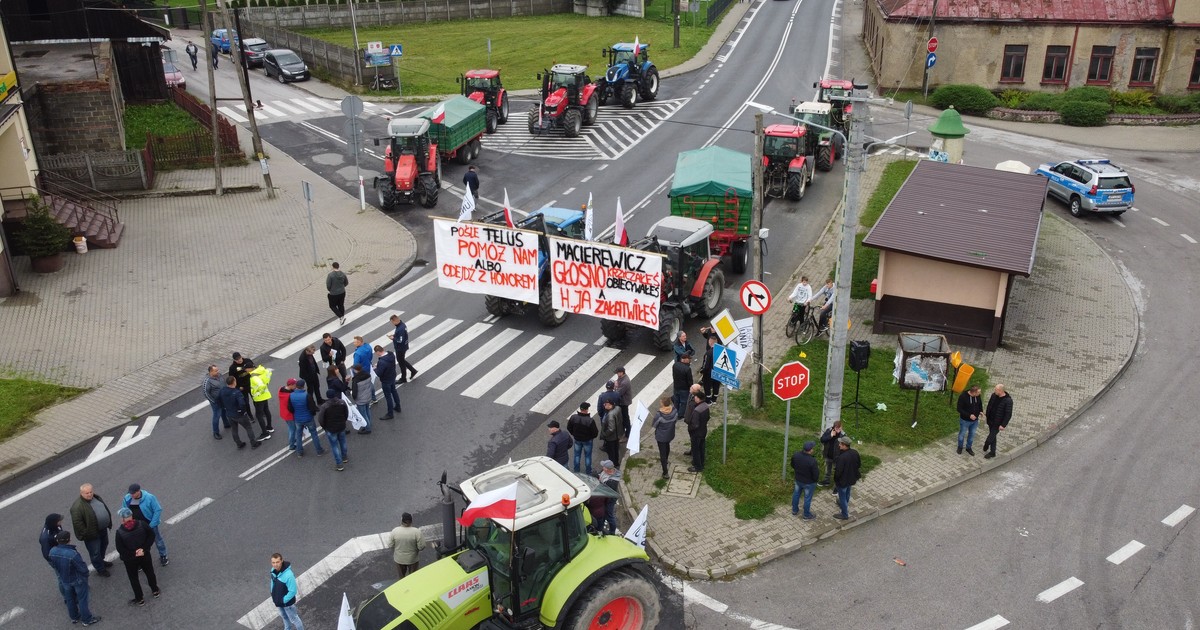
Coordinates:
(685, 242)
(484, 87)
(407, 137)
(785, 142)
(829, 145)
(818, 113)
(487, 81)
(788, 162)
(835, 91)
(622, 54)
(568, 76)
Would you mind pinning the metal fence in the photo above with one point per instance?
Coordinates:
(716, 9)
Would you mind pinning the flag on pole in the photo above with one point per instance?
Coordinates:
(439, 114)
(587, 219)
(640, 413)
(468, 205)
(345, 617)
(637, 531)
(636, 47)
(497, 504)
(620, 237)
(507, 211)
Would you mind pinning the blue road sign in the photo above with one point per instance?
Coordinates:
(396, 50)
(726, 380)
(724, 363)
(930, 59)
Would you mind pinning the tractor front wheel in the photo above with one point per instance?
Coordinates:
(593, 106)
(629, 95)
(492, 121)
(650, 85)
(546, 313)
(739, 256)
(714, 288)
(620, 600)
(825, 158)
(495, 305)
(572, 123)
(670, 322)
(387, 197)
(613, 330)
(533, 120)
(502, 117)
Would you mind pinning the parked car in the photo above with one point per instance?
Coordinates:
(284, 65)
(221, 38)
(1091, 185)
(253, 49)
(173, 76)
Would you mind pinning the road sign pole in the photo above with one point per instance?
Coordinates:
(725, 425)
(312, 232)
(787, 427)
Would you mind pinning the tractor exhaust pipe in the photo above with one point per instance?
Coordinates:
(449, 531)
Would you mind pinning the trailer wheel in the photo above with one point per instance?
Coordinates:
(613, 330)
(620, 600)
(476, 148)
(492, 121)
(739, 256)
(546, 313)
(714, 288)
(572, 123)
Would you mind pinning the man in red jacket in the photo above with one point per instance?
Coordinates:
(289, 419)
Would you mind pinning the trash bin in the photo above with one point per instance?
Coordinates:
(80, 244)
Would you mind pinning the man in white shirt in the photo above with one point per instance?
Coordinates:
(802, 293)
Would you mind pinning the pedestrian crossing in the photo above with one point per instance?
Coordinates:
(304, 107)
(617, 130)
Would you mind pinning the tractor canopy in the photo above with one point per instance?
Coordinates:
(483, 79)
(841, 84)
(407, 127)
(565, 74)
(712, 171)
(544, 489)
(563, 222)
(676, 231)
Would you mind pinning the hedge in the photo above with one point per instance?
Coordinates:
(1085, 113)
(967, 99)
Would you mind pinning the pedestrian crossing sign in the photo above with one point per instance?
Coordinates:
(725, 360)
(396, 50)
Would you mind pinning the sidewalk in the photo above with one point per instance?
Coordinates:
(200, 276)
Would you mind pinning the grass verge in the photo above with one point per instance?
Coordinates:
(22, 398)
(163, 119)
(866, 259)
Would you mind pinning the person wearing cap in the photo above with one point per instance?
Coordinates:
(608, 394)
(301, 404)
(310, 371)
(807, 472)
(845, 475)
(133, 545)
(91, 519)
(610, 430)
(213, 383)
(289, 418)
(406, 542)
(582, 427)
(624, 389)
(664, 430)
(237, 410)
(611, 477)
(559, 446)
(681, 381)
(72, 574)
(829, 442)
(146, 508)
(240, 370)
(698, 430)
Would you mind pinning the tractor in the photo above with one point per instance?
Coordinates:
(630, 75)
(832, 91)
(546, 222)
(568, 101)
(412, 166)
(543, 567)
(830, 146)
(787, 161)
(484, 87)
(692, 283)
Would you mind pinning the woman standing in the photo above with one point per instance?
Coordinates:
(664, 431)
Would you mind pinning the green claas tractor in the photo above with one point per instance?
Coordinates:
(569, 100)
(545, 568)
(832, 91)
(630, 75)
(830, 146)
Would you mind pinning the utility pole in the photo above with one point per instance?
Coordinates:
(676, 3)
(756, 211)
(235, 47)
(925, 77)
(212, 102)
(358, 60)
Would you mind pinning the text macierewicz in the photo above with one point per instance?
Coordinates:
(487, 259)
(606, 281)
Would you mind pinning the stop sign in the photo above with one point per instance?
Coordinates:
(932, 44)
(790, 381)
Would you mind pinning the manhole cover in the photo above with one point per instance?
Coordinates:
(682, 483)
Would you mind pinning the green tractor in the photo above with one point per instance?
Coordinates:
(830, 146)
(834, 91)
(544, 568)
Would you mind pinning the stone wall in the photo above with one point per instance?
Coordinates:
(81, 115)
(1022, 115)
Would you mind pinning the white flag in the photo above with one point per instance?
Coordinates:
(640, 413)
(345, 618)
(619, 235)
(468, 205)
(637, 531)
(357, 421)
(587, 219)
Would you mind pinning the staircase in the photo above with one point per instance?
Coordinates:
(82, 209)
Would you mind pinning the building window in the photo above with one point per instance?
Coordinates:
(1055, 70)
(1013, 70)
(1144, 62)
(1194, 81)
(1100, 67)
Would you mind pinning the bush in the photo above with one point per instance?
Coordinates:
(1137, 99)
(1013, 98)
(967, 99)
(1085, 113)
(1179, 104)
(1041, 102)
(1086, 93)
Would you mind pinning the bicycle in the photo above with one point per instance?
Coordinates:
(803, 324)
(382, 83)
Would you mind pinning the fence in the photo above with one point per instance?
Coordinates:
(103, 171)
(383, 14)
(716, 9)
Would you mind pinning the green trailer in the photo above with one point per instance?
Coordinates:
(459, 135)
(716, 185)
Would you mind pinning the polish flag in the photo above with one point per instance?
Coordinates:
(507, 211)
(636, 47)
(587, 219)
(497, 504)
(439, 114)
(620, 237)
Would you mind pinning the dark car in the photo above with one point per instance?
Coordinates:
(254, 49)
(284, 65)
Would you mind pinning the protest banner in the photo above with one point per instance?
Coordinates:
(487, 259)
(606, 281)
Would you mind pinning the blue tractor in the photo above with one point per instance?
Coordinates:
(558, 222)
(631, 75)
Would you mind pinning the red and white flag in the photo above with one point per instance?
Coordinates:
(636, 47)
(507, 210)
(439, 114)
(620, 237)
(497, 504)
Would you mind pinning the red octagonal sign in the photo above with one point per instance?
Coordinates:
(790, 381)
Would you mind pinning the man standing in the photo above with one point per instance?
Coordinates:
(583, 430)
(624, 389)
(91, 519)
(193, 54)
(284, 591)
(826, 292)
(610, 430)
(50, 531)
(213, 383)
(260, 393)
(807, 472)
(146, 508)
(240, 370)
(712, 387)
(406, 542)
(216, 56)
(133, 545)
(999, 412)
(301, 404)
(609, 394)
(236, 410)
(310, 372)
(385, 369)
(333, 352)
(335, 285)
(362, 358)
(333, 416)
(72, 575)
(400, 343)
(845, 475)
(681, 377)
(611, 477)
(690, 405)
(360, 393)
(471, 180)
(559, 446)
(697, 424)
(970, 406)
(829, 444)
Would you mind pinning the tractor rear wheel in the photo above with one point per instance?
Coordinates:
(613, 330)
(739, 256)
(629, 95)
(546, 313)
(650, 85)
(495, 305)
(621, 600)
(825, 158)
(796, 184)
(502, 117)
(492, 121)
(593, 105)
(714, 288)
(670, 322)
(572, 123)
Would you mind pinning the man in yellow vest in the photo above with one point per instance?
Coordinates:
(260, 393)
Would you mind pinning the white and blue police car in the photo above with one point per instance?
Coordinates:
(1090, 185)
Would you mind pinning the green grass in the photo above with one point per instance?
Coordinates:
(22, 398)
(901, 96)
(866, 267)
(163, 119)
(866, 259)
(436, 53)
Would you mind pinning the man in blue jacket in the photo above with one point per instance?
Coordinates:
(72, 574)
(145, 508)
(284, 592)
(301, 404)
(236, 410)
(362, 357)
(385, 369)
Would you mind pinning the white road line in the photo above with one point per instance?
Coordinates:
(601, 341)
(101, 446)
(364, 329)
(574, 381)
(569, 190)
(632, 368)
(473, 360)
(413, 323)
(272, 111)
(148, 425)
(990, 624)
(1135, 209)
(1176, 517)
(324, 103)
(431, 335)
(1124, 553)
(537, 375)
(11, 614)
(293, 349)
(232, 113)
(66, 473)
(190, 510)
(301, 103)
(1188, 239)
(127, 434)
(1160, 222)
(406, 290)
(1060, 589)
(283, 454)
(661, 384)
(696, 597)
(585, 179)
(291, 108)
(191, 410)
(514, 363)
(451, 346)
(602, 167)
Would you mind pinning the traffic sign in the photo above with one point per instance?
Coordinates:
(375, 48)
(931, 45)
(727, 381)
(396, 50)
(724, 366)
(352, 106)
(930, 59)
(790, 381)
(724, 326)
(756, 297)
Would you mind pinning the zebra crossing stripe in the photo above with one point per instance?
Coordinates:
(231, 113)
(272, 111)
(516, 363)
(539, 375)
(302, 103)
(285, 106)
(574, 381)
(632, 368)
(474, 359)
(412, 324)
(440, 329)
(448, 349)
(660, 385)
(323, 103)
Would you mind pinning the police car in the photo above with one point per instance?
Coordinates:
(1091, 185)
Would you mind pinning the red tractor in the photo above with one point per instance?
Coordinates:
(484, 87)
(569, 100)
(411, 164)
(788, 161)
(832, 91)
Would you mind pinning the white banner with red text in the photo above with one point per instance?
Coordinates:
(487, 259)
(606, 281)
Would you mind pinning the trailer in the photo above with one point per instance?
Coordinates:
(715, 185)
(459, 132)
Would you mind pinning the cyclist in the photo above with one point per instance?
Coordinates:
(802, 293)
(827, 292)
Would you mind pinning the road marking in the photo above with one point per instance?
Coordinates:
(191, 410)
(569, 190)
(1135, 209)
(302, 103)
(1160, 222)
(406, 290)
(231, 113)
(1124, 553)
(632, 368)
(292, 349)
(11, 614)
(101, 446)
(512, 365)
(477, 357)
(280, 455)
(696, 597)
(1116, 220)
(574, 381)
(324, 103)
(661, 384)
(451, 346)
(1060, 589)
(1188, 239)
(148, 425)
(290, 108)
(127, 434)
(271, 110)
(190, 510)
(601, 341)
(990, 624)
(412, 324)
(585, 179)
(431, 335)
(601, 167)
(1176, 517)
